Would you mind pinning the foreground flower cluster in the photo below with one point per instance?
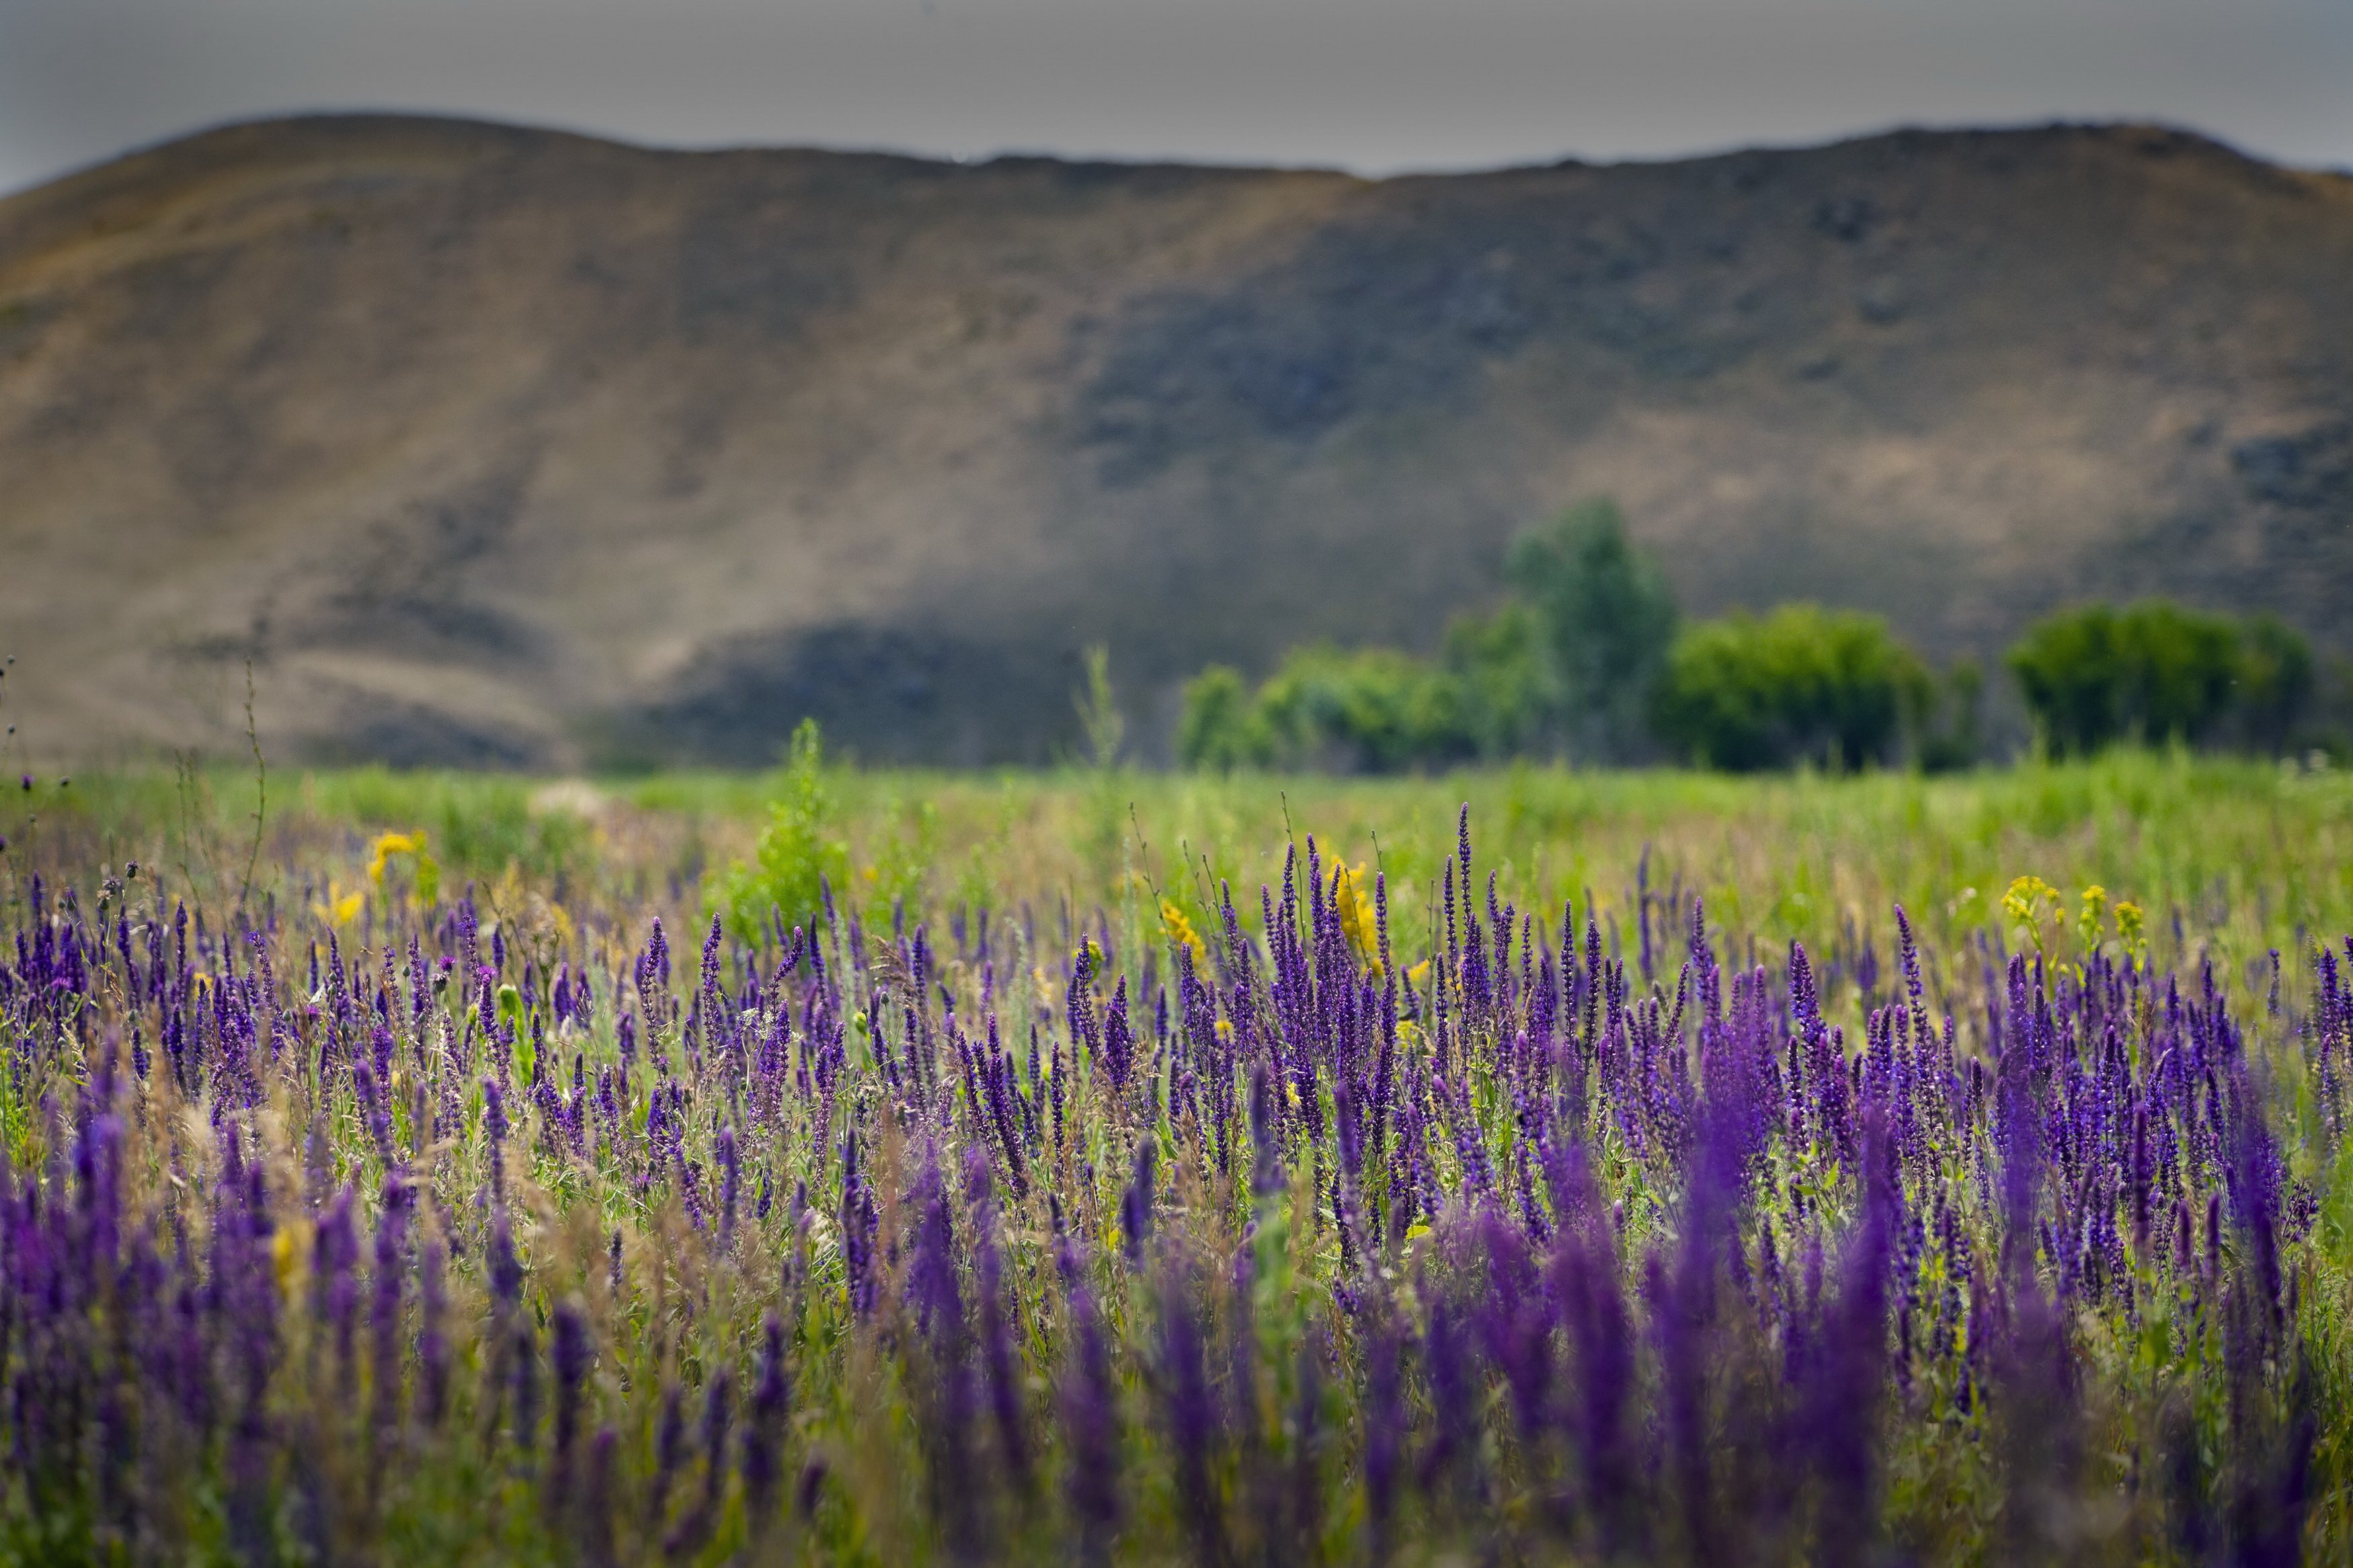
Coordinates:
(1245, 1234)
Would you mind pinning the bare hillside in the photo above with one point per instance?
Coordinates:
(499, 446)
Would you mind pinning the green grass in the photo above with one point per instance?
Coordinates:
(2251, 855)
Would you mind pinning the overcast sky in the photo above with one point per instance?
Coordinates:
(1369, 85)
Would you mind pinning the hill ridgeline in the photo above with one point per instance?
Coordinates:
(494, 446)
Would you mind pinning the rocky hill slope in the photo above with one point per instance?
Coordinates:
(496, 446)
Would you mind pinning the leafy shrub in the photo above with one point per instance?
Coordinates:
(1366, 710)
(1100, 720)
(800, 851)
(1377, 710)
(1801, 684)
(2155, 671)
(1221, 728)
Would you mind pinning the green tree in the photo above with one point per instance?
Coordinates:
(1609, 619)
(1801, 684)
(2180, 668)
(2275, 683)
(2069, 670)
(2152, 672)
(1505, 686)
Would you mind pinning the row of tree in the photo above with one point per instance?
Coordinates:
(2154, 670)
(1588, 659)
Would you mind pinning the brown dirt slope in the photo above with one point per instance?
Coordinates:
(497, 445)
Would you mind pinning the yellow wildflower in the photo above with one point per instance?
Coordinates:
(341, 908)
(2096, 904)
(2029, 903)
(1357, 921)
(2129, 925)
(2027, 899)
(429, 873)
(1180, 931)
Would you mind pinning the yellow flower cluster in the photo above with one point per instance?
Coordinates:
(1180, 931)
(2129, 924)
(2095, 905)
(2030, 902)
(1357, 921)
(341, 908)
(2035, 904)
(429, 874)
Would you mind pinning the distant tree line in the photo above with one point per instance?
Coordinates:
(2156, 671)
(1587, 658)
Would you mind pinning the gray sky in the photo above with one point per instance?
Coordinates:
(1370, 85)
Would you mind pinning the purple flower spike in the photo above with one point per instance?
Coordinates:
(1090, 1428)
(1136, 1204)
(1192, 1415)
(764, 1437)
(569, 1356)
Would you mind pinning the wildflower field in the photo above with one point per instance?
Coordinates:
(1505, 1167)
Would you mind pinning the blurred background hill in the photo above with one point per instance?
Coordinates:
(491, 445)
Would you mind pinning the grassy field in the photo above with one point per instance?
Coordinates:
(383, 1183)
(2245, 854)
